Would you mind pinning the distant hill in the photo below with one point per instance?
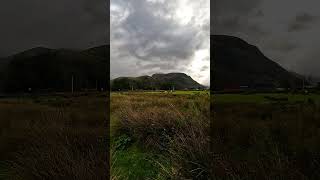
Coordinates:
(178, 81)
(101, 51)
(3, 66)
(237, 63)
(52, 69)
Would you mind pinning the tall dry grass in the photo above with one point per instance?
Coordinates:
(55, 137)
(266, 141)
(176, 126)
(273, 140)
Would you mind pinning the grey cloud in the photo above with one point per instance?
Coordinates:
(305, 18)
(231, 16)
(239, 18)
(259, 13)
(151, 36)
(57, 24)
(310, 63)
(152, 39)
(301, 22)
(204, 68)
(159, 66)
(234, 7)
(281, 44)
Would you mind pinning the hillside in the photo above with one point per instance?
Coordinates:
(52, 70)
(178, 81)
(237, 63)
(100, 51)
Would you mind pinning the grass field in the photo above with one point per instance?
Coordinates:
(177, 92)
(160, 135)
(266, 136)
(54, 137)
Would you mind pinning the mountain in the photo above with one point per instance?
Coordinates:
(101, 51)
(237, 63)
(42, 68)
(37, 51)
(3, 65)
(178, 81)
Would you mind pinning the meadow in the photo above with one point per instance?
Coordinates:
(58, 136)
(265, 136)
(179, 135)
(160, 135)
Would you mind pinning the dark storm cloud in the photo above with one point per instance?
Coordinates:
(301, 22)
(309, 66)
(234, 7)
(232, 16)
(285, 31)
(281, 45)
(304, 18)
(56, 24)
(148, 36)
(260, 13)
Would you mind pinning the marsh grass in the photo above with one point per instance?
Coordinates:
(54, 137)
(268, 136)
(173, 127)
(269, 140)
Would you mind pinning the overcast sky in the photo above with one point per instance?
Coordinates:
(79, 24)
(160, 36)
(150, 36)
(287, 31)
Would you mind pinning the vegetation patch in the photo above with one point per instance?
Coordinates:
(54, 137)
(266, 136)
(169, 129)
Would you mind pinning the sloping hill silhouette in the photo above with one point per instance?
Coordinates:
(52, 69)
(237, 63)
(168, 81)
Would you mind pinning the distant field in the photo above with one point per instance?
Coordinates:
(188, 92)
(264, 98)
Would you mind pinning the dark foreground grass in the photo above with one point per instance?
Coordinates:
(276, 137)
(161, 135)
(54, 137)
